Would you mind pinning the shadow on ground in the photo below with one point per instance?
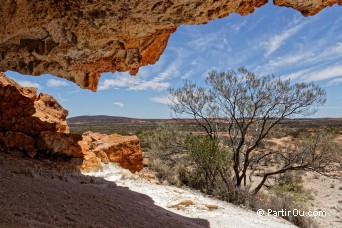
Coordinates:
(49, 193)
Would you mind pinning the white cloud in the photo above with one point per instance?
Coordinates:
(318, 74)
(335, 81)
(153, 85)
(169, 72)
(161, 100)
(305, 57)
(329, 72)
(137, 83)
(159, 82)
(238, 26)
(122, 81)
(119, 104)
(297, 74)
(277, 40)
(60, 98)
(29, 84)
(74, 91)
(132, 83)
(322, 53)
(56, 83)
(188, 74)
(211, 41)
(284, 62)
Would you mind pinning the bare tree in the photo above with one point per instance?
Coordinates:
(198, 103)
(252, 106)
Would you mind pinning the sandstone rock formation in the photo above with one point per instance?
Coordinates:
(78, 40)
(23, 111)
(124, 150)
(24, 115)
(60, 143)
(91, 163)
(18, 140)
(37, 124)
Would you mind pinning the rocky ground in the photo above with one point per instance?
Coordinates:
(52, 193)
(327, 196)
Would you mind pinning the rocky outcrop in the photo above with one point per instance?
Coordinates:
(18, 140)
(124, 150)
(94, 148)
(37, 124)
(78, 40)
(60, 143)
(22, 110)
(24, 115)
(307, 8)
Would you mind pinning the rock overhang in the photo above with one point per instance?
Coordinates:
(78, 40)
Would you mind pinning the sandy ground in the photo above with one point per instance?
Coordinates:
(326, 193)
(189, 203)
(327, 196)
(43, 194)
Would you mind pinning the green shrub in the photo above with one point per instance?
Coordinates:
(210, 161)
(166, 149)
(291, 183)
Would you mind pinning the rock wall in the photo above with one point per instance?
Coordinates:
(24, 115)
(78, 40)
(22, 110)
(36, 124)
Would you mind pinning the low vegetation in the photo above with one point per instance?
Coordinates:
(238, 110)
(250, 106)
(185, 159)
(242, 145)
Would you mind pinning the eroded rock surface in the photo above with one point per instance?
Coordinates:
(60, 143)
(78, 40)
(124, 150)
(18, 140)
(24, 115)
(37, 124)
(22, 110)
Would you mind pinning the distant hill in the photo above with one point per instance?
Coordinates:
(107, 119)
(110, 124)
(127, 126)
(103, 119)
(99, 118)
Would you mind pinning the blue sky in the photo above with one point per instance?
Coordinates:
(273, 40)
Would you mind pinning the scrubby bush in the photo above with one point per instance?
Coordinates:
(291, 184)
(287, 195)
(285, 203)
(210, 160)
(166, 149)
(203, 163)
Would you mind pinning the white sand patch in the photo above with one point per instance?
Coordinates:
(190, 203)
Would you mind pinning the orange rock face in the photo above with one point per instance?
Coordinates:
(91, 163)
(37, 124)
(23, 111)
(60, 143)
(307, 8)
(78, 40)
(18, 140)
(124, 150)
(24, 115)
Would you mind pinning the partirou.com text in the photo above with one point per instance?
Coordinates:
(294, 212)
